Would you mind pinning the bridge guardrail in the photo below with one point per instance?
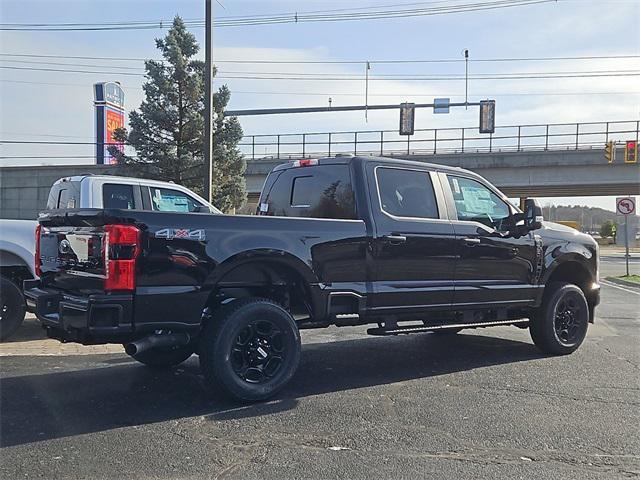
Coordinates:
(510, 138)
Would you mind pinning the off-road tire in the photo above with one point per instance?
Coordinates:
(12, 308)
(224, 356)
(560, 325)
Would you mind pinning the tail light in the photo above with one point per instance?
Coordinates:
(37, 260)
(121, 249)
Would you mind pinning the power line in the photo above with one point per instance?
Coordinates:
(354, 62)
(303, 74)
(31, 157)
(293, 17)
(42, 69)
(36, 62)
(351, 94)
(348, 77)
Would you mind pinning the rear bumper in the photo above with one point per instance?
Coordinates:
(593, 299)
(84, 319)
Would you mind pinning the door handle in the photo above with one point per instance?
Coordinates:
(395, 239)
(471, 241)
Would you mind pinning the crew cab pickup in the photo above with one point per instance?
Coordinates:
(404, 246)
(17, 241)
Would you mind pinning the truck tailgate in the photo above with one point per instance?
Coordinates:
(72, 258)
(73, 250)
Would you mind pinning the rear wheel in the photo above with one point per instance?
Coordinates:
(560, 324)
(164, 357)
(12, 308)
(250, 349)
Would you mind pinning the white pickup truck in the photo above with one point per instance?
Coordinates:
(17, 237)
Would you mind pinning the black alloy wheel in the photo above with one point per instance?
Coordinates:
(560, 325)
(250, 349)
(258, 352)
(566, 320)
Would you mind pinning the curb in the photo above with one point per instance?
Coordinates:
(620, 281)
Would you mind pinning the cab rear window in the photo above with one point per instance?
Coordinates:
(64, 195)
(323, 191)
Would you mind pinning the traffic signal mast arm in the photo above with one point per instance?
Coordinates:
(345, 108)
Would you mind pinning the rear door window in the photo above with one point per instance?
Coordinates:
(323, 191)
(168, 200)
(118, 196)
(406, 193)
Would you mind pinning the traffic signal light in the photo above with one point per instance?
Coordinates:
(610, 151)
(487, 116)
(631, 152)
(407, 118)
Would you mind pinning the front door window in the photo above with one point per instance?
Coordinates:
(476, 203)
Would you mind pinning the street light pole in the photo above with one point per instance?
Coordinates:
(466, 78)
(208, 102)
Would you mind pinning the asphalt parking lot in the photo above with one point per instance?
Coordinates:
(480, 404)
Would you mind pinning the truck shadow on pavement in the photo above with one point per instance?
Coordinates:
(91, 393)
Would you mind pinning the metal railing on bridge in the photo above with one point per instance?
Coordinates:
(513, 138)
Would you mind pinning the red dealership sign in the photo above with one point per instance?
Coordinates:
(114, 120)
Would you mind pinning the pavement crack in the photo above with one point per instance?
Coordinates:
(554, 395)
(617, 356)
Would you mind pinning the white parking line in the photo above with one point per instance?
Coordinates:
(609, 284)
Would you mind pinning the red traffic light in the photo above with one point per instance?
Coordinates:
(631, 152)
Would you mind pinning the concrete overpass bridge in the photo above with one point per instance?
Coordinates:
(522, 160)
(525, 160)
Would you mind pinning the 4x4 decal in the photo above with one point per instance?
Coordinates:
(181, 233)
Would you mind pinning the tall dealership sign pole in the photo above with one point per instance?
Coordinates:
(109, 108)
(208, 102)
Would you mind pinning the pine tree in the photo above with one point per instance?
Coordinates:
(167, 131)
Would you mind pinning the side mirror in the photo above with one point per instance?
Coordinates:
(532, 214)
(202, 209)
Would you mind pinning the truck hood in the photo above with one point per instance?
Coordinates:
(557, 231)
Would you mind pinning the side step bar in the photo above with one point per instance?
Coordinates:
(449, 326)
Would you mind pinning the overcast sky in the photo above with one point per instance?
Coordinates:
(48, 105)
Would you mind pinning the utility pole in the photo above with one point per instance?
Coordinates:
(367, 67)
(208, 101)
(466, 78)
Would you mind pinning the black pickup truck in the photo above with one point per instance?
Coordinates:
(404, 246)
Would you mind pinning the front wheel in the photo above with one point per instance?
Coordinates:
(12, 308)
(250, 349)
(560, 324)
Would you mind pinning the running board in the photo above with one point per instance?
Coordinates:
(424, 328)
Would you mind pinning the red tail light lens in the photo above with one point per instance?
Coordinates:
(122, 247)
(37, 260)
